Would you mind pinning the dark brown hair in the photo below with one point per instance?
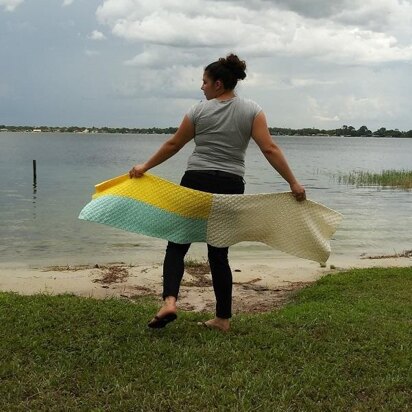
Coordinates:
(229, 70)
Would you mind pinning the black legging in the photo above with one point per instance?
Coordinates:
(173, 267)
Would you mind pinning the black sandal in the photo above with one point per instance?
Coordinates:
(161, 321)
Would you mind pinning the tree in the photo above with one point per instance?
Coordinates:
(351, 131)
(363, 131)
(380, 132)
(394, 133)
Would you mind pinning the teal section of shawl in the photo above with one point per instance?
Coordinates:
(134, 216)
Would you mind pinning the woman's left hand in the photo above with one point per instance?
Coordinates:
(137, 171)
(298, 192)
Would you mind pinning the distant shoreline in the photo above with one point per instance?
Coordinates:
(345, 131)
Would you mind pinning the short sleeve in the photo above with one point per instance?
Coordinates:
(193, 112)
(254, 108)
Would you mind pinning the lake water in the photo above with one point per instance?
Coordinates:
(39, 225)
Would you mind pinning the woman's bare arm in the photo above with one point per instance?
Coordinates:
(184, 134)
(274, 155)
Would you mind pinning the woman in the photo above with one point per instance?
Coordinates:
(221, 127)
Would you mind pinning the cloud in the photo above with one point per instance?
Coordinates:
(351, 108)
(178, 82)
(360, 13)
(91, 53)
(393, 17)
(358, 108)
(313, 8)
(10, 5)
(318, 63)
(326, 119)
(349, 46)
(285, 28)
(308, 82)
(161, 56)
(306, 66)
(97, 35)
(319, 111)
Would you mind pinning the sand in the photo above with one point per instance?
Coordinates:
(260, 284)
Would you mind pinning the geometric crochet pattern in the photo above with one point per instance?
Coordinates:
(156, 207)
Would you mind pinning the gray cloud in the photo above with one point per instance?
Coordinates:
(10, 5)
(313, 8)
(319, 63)
(97, 35)
(278, 31)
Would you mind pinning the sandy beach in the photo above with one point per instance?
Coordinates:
(260, 284)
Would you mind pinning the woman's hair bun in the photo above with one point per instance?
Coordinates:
(228, 69)
(235, 65)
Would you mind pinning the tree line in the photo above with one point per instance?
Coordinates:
(345, 130)
(79, 129)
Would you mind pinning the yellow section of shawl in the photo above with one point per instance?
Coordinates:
(158, 192)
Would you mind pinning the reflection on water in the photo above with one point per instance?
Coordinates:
(375, 221)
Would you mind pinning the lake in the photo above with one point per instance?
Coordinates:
(39, 225)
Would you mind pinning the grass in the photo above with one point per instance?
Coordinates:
(342, 344)
(387, 178)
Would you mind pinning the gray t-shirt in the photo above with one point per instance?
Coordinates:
(222, 134)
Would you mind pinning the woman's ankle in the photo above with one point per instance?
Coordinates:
(169, 303)
(222, 320)
(170, 300)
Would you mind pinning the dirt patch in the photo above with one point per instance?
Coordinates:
(249, 284)
(136, 292)
(198, 268)
(200, 274)
(404, 254)
(251, 295)
(198, 281)
(201, 277)
(248, 297)
(67, 268)
(112, 274)
(256, 298)
(76, 268)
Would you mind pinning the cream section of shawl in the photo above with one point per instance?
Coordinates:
(301, 229)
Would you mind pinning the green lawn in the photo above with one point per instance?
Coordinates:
(342, 344)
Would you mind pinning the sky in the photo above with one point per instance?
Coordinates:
(139, 63)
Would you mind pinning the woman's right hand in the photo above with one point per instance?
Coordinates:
(137, 171)
(298, 191)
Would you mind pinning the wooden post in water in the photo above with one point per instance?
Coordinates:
(34, 173)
